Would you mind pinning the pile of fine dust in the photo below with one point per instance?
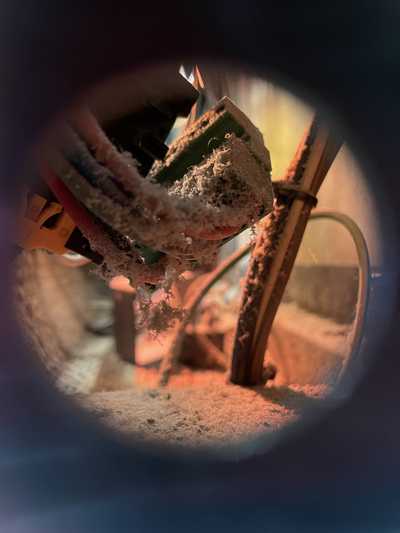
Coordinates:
(199, 408)
(230, 180)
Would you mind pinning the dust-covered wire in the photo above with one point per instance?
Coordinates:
(363, 278)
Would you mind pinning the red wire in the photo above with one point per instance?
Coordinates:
(75, 210)
(82, 218)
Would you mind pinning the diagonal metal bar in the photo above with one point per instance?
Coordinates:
(275, 251)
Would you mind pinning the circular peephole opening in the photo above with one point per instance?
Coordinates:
(176, 276)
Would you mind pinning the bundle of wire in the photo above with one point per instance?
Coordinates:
(140, 229)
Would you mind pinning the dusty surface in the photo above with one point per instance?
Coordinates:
(199, 409)
(51, 305)
(229, 180)
(307, 348)
(323, 332)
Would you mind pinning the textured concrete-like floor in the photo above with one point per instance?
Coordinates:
(199, 408)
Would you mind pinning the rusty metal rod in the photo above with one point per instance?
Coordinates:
(276, 249)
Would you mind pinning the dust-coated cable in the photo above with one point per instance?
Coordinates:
(363, 278)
